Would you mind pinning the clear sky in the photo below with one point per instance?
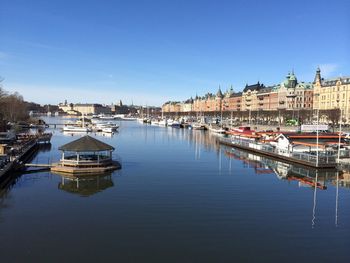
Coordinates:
(152, 51)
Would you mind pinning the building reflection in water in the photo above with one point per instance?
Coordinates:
(206, 141)
(85, 185)
(305, 176)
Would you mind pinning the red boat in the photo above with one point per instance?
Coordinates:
(244, 131)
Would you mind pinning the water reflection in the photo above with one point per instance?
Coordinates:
(86, 185)
(305, 176)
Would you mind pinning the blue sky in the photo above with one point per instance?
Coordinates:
(149, 52)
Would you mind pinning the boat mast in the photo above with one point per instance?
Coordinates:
(83, 119)
(221, 115)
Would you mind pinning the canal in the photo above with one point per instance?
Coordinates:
(179, 197)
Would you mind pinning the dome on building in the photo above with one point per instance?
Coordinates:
(292, 77)
(290, 81)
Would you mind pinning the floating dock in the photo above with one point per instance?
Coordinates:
(283, 158)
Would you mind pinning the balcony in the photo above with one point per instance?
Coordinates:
(291, 95)
(248, 99)
(281, 102)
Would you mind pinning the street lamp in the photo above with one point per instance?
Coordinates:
(317, 131)
(250, 114)
(279, 118)
(339, 130)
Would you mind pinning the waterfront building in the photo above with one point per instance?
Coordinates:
(330, 94)
(187, 106)
(218, 101)
(294, 95)
(235, 101)
(232, 100)
(249, 96)
(119, 108)
(267, 99)
(84, 108)
(290, 98)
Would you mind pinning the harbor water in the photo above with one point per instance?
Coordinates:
(179, 197)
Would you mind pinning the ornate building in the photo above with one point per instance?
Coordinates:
(289, 95)
(293, 95)
(249, 96)
(332, 94)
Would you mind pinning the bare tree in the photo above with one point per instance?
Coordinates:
(12, 107)
(332, 115)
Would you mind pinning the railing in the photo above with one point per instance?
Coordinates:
(313, 158)
(323, 157)
(86, 161)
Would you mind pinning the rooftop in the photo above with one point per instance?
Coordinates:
(86, 144)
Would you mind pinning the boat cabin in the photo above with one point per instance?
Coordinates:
(306, 142)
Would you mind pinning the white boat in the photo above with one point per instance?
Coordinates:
(109, 130)
(198, 126)
(105, 117)
(154, 122)
(175, 124)
(216, 129)
(162, 122)
(72, 128)
(76, 129)
(129, 118)
(142, 120)
(106, 127)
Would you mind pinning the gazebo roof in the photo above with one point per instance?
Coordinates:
(87, 186)
(86, 144)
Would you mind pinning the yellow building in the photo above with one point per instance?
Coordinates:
(332, 94)
(249, 97)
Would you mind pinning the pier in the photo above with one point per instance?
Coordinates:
(16, 160)
(293, 157)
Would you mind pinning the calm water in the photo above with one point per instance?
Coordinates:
(178, 198)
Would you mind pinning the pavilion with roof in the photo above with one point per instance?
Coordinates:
(86, 155)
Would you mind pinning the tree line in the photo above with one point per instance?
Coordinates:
(12, 107)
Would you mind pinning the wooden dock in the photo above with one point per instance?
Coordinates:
(38, 165)
(276, 156)
(18, 162)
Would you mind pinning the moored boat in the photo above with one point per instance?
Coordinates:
(216, 129)
(198, 126)
(163, 122)
(70, 128)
